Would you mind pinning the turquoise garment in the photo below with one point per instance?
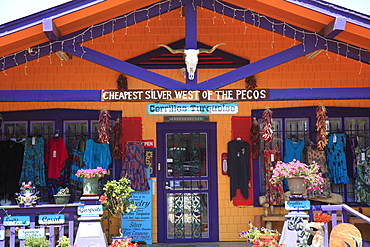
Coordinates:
(33, 168)
(336, 158)
(97, 155)
(293, 150)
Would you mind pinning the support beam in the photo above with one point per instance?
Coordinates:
(258, 66)
(124, 67)
(334, 28)
(50, 29)
(191, 36)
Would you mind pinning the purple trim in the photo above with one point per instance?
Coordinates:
(124, 67)
(34, 19)
(191, 28)
(50, 29)
(95, 95)
(259, 66)
(334, 28)
(334, 11)
(211, 129)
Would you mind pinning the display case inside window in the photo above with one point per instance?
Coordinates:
(45, 129)
(14, 130)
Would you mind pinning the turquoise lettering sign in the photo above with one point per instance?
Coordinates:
(90, 210)
(16, 221)
(50, 219)
(36, 233)
(138, 224)
(191, 108)
(297, 205)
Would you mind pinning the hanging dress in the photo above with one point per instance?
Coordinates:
(336, 158)
(314, 154)
(293, 150)
(134, 166)
(78, 151)
(362, 180)
(97, 155)
(58, 172)
(33, 168)
(274, 192)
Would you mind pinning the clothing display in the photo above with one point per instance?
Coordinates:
(11, 159)
(238, 167)
(274, 192)
(78, 152)
(315, 154)
(362, 180)
(97, 155)
(134, 166)
(33, 168)
(336, 158)
(293, 150)
(55, 156)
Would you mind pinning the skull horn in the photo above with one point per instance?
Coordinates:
(202, 50)
(172, 50)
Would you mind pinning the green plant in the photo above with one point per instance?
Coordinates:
(311, 173)
(64, 242)
(64, 191)
(36, 242)
(116, 197)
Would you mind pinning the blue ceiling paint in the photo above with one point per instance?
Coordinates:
(52, 13)
(334, 11)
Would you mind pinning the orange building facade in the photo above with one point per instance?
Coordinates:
(47, 76)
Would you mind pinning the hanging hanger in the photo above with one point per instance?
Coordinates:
(56, 133)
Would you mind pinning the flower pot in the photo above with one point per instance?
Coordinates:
(297, 186)
(90, 186)
(62, 199)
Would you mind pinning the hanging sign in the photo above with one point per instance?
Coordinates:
(50, 219)
(186, 95)
(16, 221)
(297, 205)
(90, 210)
(149, 154)
(36, 233)
(191, 108)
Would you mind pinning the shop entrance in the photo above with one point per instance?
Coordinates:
(187, 182)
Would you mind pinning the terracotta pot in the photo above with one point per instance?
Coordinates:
(297, 186)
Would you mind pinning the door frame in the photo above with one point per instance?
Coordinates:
(206, 127)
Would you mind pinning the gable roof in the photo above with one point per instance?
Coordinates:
(317, 28)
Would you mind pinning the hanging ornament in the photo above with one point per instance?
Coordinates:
(255, 138)
(122, 82)
(104, 126)
(321, 137)
(267, 127)
(117, 140)
(250, 82)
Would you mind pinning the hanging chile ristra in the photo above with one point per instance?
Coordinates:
(321, 137)
(117, 140)
(104, 126)
(267, 127)
(255, 138)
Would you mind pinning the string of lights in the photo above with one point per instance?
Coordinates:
(247, 16)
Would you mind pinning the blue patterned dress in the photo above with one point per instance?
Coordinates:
(33, 168)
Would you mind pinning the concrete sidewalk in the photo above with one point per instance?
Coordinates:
(201, 244)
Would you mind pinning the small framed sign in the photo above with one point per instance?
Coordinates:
(16, 221)
(297, 205)
(50, 219)
(90, 210)
(36, 233)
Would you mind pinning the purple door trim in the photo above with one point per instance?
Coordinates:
(210, 129)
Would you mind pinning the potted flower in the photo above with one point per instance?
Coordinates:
(91, 179)
(64, 242)
(260, 237)
(309, 174)
(117, 198)
(62, 197)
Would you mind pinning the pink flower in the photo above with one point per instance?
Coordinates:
(91, 173)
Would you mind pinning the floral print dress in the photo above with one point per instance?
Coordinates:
(362, 180)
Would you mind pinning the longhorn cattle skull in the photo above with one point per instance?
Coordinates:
(191, 57)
